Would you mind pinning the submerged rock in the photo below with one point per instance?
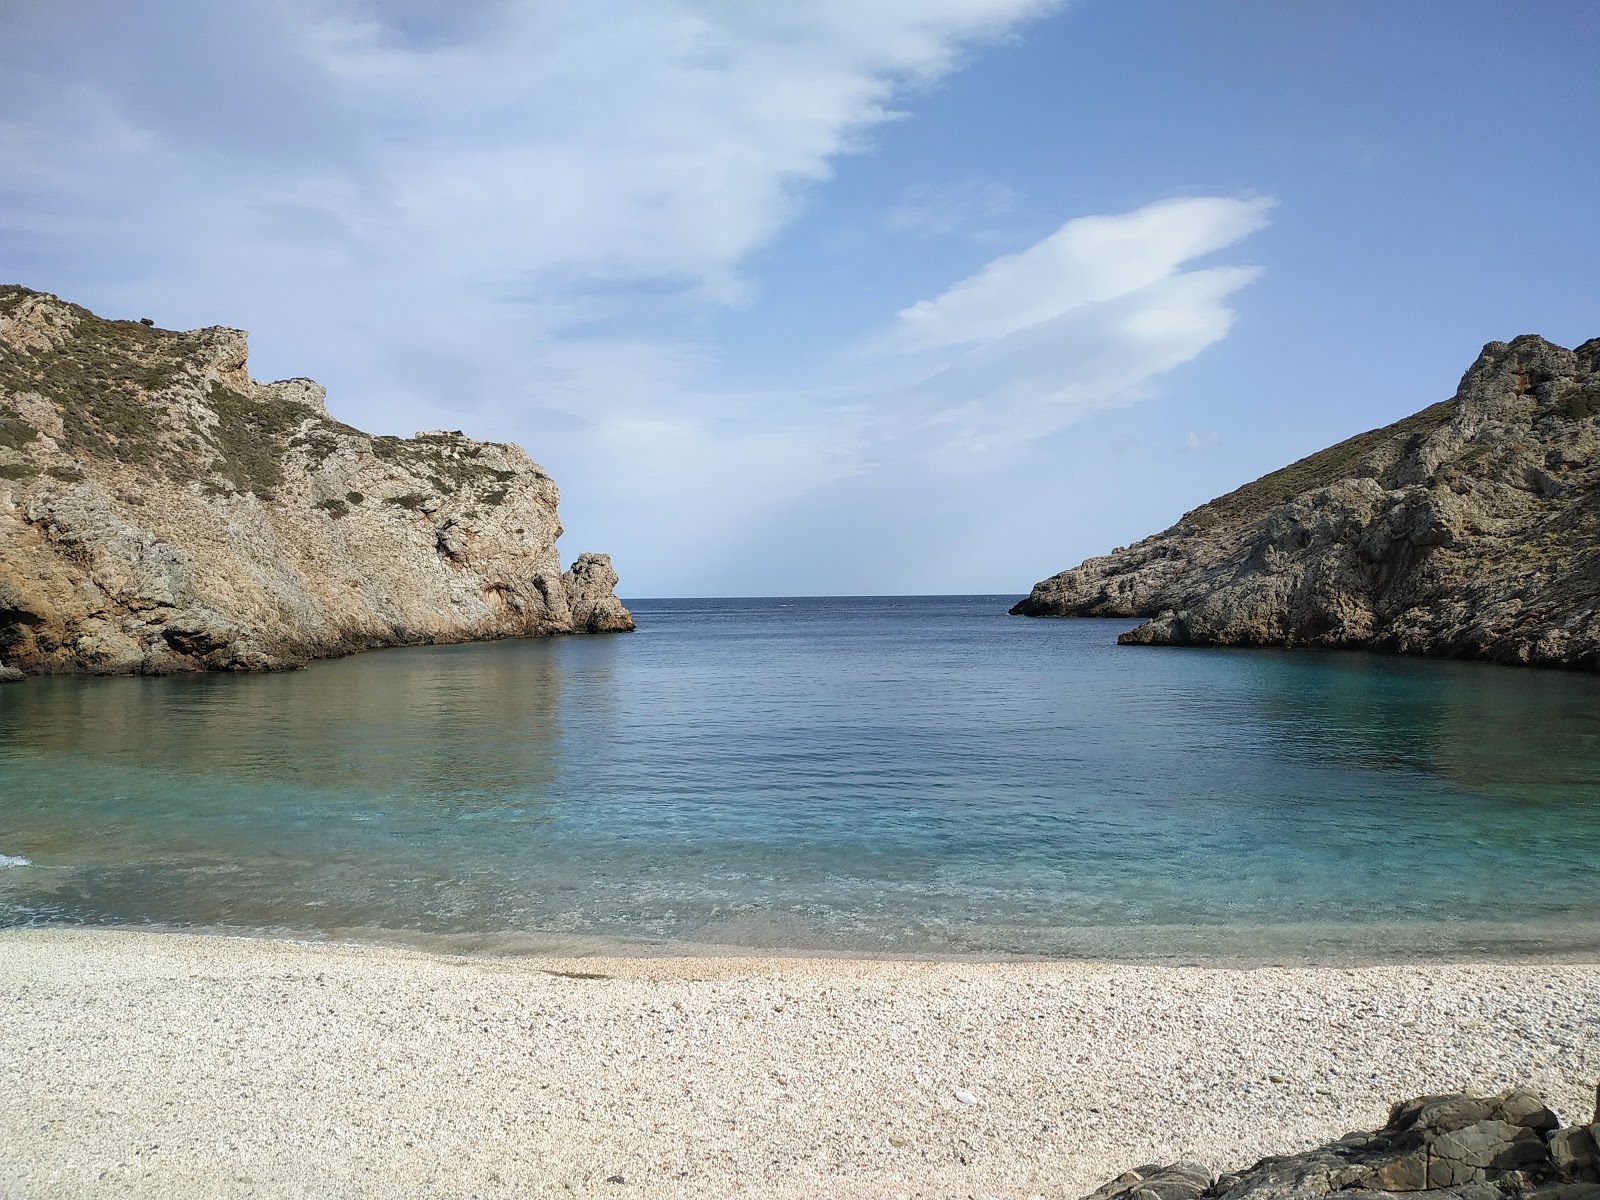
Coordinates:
(1459, 1146)
(1469, 530)
(161, 511)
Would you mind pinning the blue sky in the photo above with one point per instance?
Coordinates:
(877, 296)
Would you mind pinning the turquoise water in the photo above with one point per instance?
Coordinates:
(913, 776)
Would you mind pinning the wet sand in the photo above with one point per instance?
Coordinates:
(137, 1064)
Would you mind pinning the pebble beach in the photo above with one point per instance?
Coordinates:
(144, 1064)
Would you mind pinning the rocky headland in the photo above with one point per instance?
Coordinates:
(1454, 1146)
(161, 511)
(1468, 530)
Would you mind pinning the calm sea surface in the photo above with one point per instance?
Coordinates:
(917, 776)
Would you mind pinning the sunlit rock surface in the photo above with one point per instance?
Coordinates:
(161, 511)
(1469, 530)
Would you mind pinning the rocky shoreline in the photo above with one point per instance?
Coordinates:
(1468, 530)
(1462, 1147)
(162, 512)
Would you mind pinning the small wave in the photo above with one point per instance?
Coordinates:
(14, 860)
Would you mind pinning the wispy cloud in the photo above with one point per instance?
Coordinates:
(940, 210)
(1088, 261)
(1082, 320)
(508, 215)
(1087, 319)
(520, 147)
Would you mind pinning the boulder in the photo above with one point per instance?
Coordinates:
(589, 586)
(1458, 1146)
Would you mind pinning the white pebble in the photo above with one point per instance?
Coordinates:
(965, 1097)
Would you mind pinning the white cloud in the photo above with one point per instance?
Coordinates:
(561, 145)
(1090, 260)
(756, 481)
(1195, 440)
(1083, 320)
(442, 210)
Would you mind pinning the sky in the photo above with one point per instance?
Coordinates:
(848, 297)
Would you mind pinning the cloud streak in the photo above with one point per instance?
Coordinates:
(513, 216)
(1088, 261)
(1080, 321)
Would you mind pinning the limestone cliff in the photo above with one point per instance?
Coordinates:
(161, 511)
(1470, 530)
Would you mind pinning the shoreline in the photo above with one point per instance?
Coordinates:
(139, 1063)
(1327, 946)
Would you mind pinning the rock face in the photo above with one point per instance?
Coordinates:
(1469, 530)
(161, 511)
(1457, 1146)
(589, 585)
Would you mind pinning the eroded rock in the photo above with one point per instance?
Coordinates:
(589, 586)
(161, 511)
(1470, 530)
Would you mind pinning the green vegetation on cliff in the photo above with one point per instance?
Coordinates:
(1256, 499)
(1470, 529)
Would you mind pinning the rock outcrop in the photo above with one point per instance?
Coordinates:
(161, 511)
(589, 584)
(1458, 1147)
(1469, 530)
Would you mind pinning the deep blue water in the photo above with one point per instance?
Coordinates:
(905, 775)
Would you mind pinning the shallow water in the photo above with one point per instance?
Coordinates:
(908, 776)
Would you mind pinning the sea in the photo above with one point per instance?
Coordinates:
(903, 776)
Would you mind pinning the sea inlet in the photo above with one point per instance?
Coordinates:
(903, 776)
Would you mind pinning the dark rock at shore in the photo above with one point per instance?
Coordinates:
(1470, 530)
(1457, 1146)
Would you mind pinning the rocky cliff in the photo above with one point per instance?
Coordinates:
(1471, 530)
(161, 511)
